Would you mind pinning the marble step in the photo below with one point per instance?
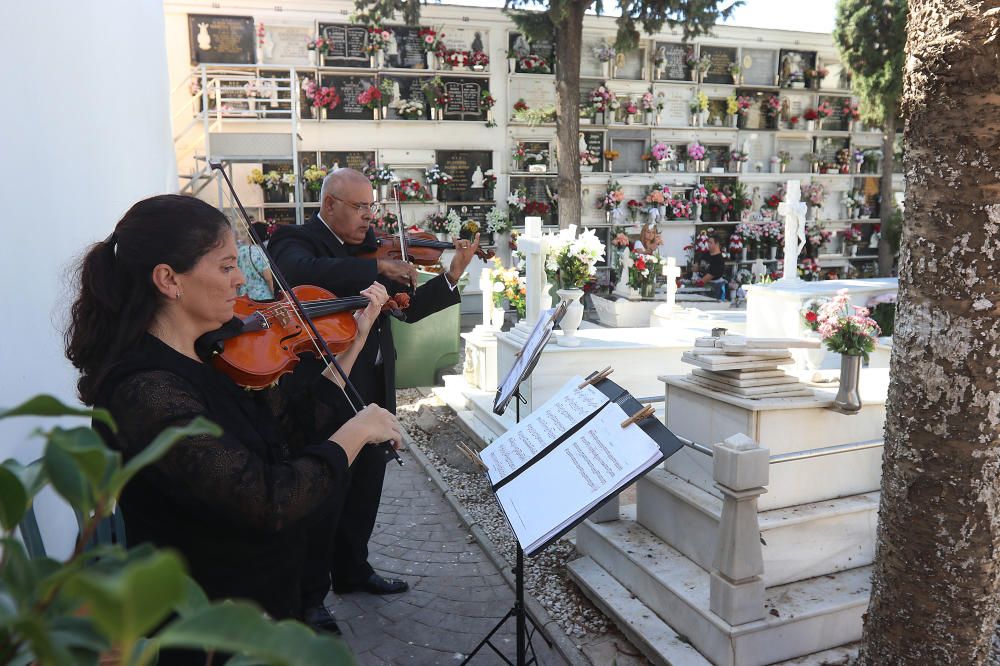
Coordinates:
(802, 618)
(641, 626)
(799, 542)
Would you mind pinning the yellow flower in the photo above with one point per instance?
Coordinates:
(732, 108)
(256, 177)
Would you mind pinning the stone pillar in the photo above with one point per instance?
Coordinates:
(480, 369)
(740, 469)
(486, 286)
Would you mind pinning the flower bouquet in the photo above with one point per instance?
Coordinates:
(605, 53)
(576, 259)
(533, 208)
(518, 154)
(436, 96)
(371, 98)
(810, 312)
(509, 286)
(696, 153)
(534, 64)
(611, 198)
(847, 329)
(412, 190)
(479, 61)
(739, 159)
(410, 109)
(642, 274)
(772, 109)
(663, 154)
(386, 222)
(313, 178)
(814, 195)
(611, 155)
(633, 206)
(321, 98)
(457, 59)
(432, 43)
(497, 221)
(824, 110)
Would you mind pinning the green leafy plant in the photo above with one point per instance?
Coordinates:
(105, 600)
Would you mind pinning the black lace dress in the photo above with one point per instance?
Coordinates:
(233, 506)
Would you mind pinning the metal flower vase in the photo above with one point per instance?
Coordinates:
(848, 400)
(571, 320)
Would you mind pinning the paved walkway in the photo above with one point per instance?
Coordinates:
(456, 593)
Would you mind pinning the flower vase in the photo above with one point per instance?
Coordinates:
(772, 252)
(699, 167)
(379, 59)
(703, 118)
(734, 121)
(312, 57)
(511, 65)
(850, 126)
(431, 60)
(434, 190)
(571, 320)
(375, 113)
(662, 210)
(848, 398)
(385, 112)
(658, 120)
(695, 117)
(810, 125)
(319, 112)
(743, 255)
(697, 212)
(606, 69)
(648, 289)
(497, 317)
(630, 119)
(546, 296)
(599, 118)
(649, 117)
(854, 249)
(442, 236)
(383, 192)
(291, 196)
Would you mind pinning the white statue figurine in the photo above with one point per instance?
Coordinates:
(477, 177)
(756, 201)
(581, 143)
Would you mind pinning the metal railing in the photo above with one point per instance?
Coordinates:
(797, 455)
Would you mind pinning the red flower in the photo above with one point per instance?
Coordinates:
(640, 264)
(811, 317)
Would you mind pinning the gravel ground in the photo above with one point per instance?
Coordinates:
(432, 428)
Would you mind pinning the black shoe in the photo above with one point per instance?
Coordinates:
(375, 585)
(320, 619)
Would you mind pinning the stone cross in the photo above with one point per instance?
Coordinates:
(671, 271)
(486, 285)
(532, 246)
(794, 212)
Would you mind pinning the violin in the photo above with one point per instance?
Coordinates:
(265, 338)
(422, 248)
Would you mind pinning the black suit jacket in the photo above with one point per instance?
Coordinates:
(311, 254)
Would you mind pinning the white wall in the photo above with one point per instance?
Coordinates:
(87, 134)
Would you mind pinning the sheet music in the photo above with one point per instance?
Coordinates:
(539, 335)
(568, 407)
(576, 476)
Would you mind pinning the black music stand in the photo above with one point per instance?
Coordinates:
(510, 388)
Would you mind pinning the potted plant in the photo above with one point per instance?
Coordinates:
(611, 156)
(317, 48)
(599, 97)
(412, 190)
(814, 196)
(409, 109)
(851, 114)
(386, 222)
(375, 43)
(810, 116)
(575, 261)
(824, 111)
(518, 155)
(437, 224)
(631, 108)
(587, 161)
(643, 272)
(739, 160)
(699, 109)
(737, 73)
(663, 154)
(489, 183)
(321, 98)
(772, 110)
(852, 237)
(436, 96)
(497, 222)
(534, 64)
(648, 106)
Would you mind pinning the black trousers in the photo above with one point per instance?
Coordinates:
(337, 548)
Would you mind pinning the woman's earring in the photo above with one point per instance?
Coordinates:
(178, 295)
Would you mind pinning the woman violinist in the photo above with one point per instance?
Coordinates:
(232, 505)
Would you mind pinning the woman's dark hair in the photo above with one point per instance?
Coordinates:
(118, 300)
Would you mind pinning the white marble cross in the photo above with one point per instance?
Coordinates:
(794, 212)
(532, 247)
(671, 271)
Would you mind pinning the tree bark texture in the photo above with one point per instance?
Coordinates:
(934, 586)
(887, 202)
(569, 44)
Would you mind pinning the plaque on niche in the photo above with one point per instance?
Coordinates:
(222, 39)
(827, 147)
(537, 154)
(760, 67)
(285, 44)
(536, 189)
(792, 66)
(476, 213)
(722, 59)
(675, 106)
(629, 65)
(593, 143)
(346, 45)
(463, 99)
(630, 152)
(409, 88)
(348, 87)
(590, 66)
(836, 121)
(461, 165)
(409, 48)
(669, 62)
(350, 159)
(472, 40)
(519, 45)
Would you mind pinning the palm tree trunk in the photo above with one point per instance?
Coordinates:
(887, 202)
(569, 43)
(934, 585)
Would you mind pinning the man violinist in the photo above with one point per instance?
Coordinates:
(323, 252)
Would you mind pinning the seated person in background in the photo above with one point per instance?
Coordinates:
(713, 267)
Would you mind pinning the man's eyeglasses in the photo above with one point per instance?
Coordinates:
(373, 207)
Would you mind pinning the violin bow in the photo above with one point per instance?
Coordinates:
(401, 230)
(300, 312)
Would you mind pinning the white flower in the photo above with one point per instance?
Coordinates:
(454, 222)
